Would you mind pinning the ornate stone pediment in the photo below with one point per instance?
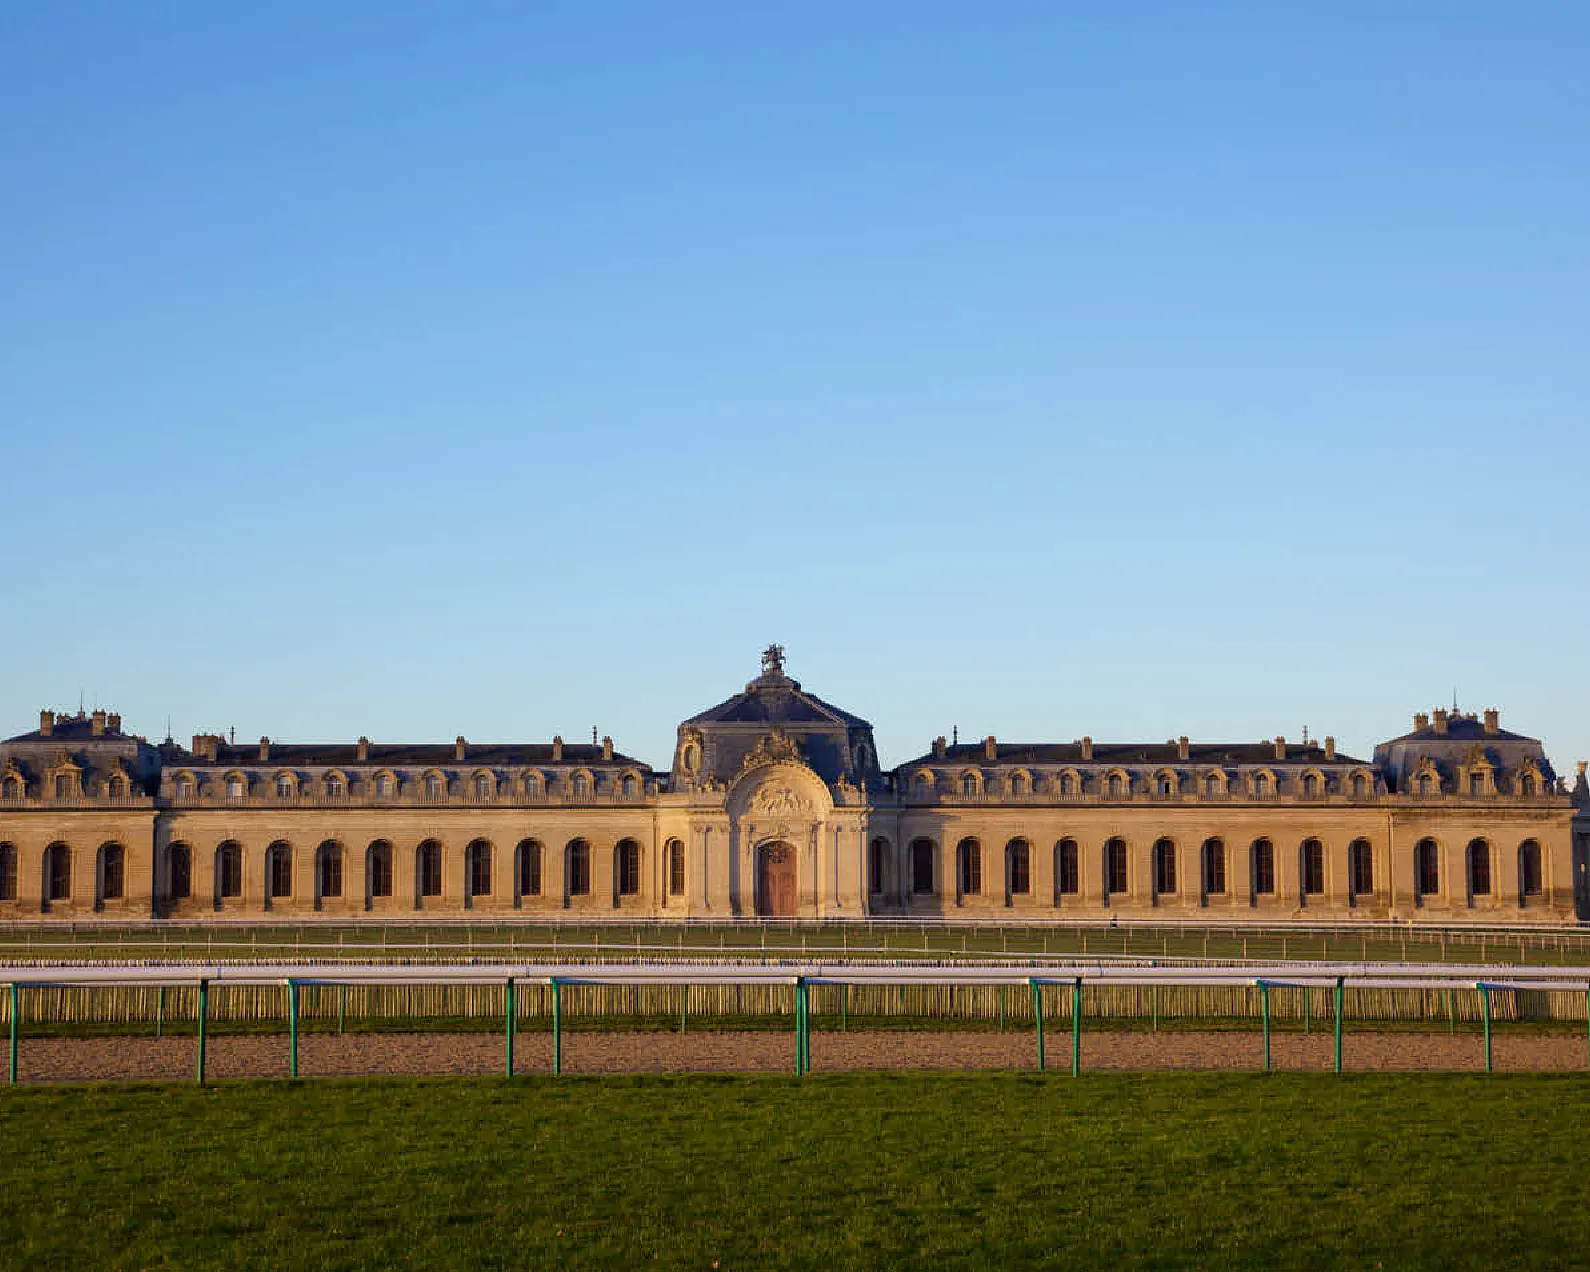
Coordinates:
(772, 748)
(778, 800)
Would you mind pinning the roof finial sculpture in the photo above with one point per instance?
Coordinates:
(773, 660)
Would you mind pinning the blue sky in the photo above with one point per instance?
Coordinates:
(1036, 369)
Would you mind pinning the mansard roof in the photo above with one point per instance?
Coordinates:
(1240, 753)
(775, 699)
(405, 754)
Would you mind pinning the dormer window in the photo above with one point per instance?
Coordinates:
(1167, 788)
(13, 788)
(968, 786)
(1310, 786)
(383, 785)
(184, 787)
(1426, 785)
(117, 787)
(335, 787)
(1117, 786)
(284, 787)
(1211, 786)
(1018, 784)
(63, 786)
(236, 788)
(581, 786)
(1360, 786)
(629, 786)
(1067, 785)
(433, 786)
(1476, 783)
(484, 787)
(1526, 786)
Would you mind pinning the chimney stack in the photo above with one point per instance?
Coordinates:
(1280, 748)
(1182, 747)
(113, 722)
(1330, 747)
(364, 749)
(607, 748)
(941, 747)
(1493, 721)
(1421, 722)
(97, 727)
(1440, 720)
(1087, 748)
(557, 748)
(458, 747)
(990, 749)
(46, 723)
(264, 750)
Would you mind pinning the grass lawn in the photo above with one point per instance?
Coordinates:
(920, 1170)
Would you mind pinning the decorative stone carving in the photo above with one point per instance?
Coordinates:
(773, 748)
(780, 801)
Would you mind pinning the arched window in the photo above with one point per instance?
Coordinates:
(1310, 786)
(1212, 786)
(577, 868)
(626, 868)
(1067, 868)
(581, 786)
(1164, 868)
(1117, 786)
(1361, 868)
(236, 787)
(968, 785)
(8, 872)
(428, 869)
(1018, 869)
(630, 787)
(328, 870)
(13, 787)
(1262, 865)
(1526, 786)
(1529, 883)
(1018, 785)
(383, 786)
(57, 873)
(336, 786)
(112, 872)
(922, 867)
(378, 868)
(184, 786)
(1115, 879)
(179, 871)
(676, 868)
(477, 870)
(1068, 785)
(1426, 868)
(279, 870)
(969, 868)
(1262, 786)
(435, 788)
(1479, 869)
(485, 786)
(922, 785)
(1360, 786)
(116, 788)
(1311, 868)
(1214, 863)
(228, 870)
(1167, 785)
(284, 787)
(878, 867)
(528, 880)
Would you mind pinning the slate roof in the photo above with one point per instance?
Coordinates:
(1461, 729)
(773, 698)
(971, 754)
(411, 755)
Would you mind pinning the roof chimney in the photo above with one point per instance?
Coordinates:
(607, 748)
(557, 748)
(1280, 748)
(458, 747)
(1182, 747)
(1493, 721)
(364, 750)
(113, 722)
(264, 749)
(97, 727)
(1421, 722)
(941, 747)
(990, 749)
(46, 723)
(1087, 748)
(1330, 747)
(1440, 720)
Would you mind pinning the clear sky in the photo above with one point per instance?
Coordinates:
(1037, 369)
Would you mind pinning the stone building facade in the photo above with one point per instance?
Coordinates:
(776, 804)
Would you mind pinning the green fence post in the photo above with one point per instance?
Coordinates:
(1037, 1016)
(16, 1021)
(800, 1025)
(806, 1027)
(292, 1028)
(1339, 996)
(1264, 1011)
(204, 1020)
(1076, 1027)
(1485, 1007)
(557, 1027)
(512, 1012)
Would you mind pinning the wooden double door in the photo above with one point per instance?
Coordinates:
(775, 881)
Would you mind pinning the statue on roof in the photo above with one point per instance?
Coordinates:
(773, 660)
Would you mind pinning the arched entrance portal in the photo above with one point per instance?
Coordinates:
(775, 881)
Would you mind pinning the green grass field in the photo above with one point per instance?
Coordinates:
(927, 1171)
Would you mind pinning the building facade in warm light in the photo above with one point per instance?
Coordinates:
(775, 804)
